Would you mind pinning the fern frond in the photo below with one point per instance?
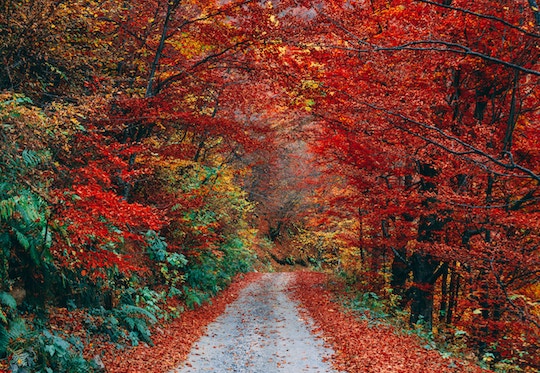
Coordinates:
(134, 310)
(17, 329)
(4, 341)
(7, 208)
(7, 300)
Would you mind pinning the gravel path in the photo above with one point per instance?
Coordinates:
(261, 332)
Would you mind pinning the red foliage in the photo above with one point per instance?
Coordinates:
(435, 149)
(94, 220)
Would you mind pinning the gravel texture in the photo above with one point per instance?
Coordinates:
(261, 332)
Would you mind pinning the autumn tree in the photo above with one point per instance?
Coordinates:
(433, 129)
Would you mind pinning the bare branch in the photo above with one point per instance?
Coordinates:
(517, 310)
(417, 45)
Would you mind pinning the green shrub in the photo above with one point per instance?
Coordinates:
(212, 273)
(125, 323)
(42, 351)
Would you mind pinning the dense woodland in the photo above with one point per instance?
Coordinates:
(151, 150)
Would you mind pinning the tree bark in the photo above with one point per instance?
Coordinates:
(443, 308)
(400, 272)
(453, 294)
(171, 7)
(536, 12)
(512, 116)
(425, 272)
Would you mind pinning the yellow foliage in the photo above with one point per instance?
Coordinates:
(189, 46)
(34, 128)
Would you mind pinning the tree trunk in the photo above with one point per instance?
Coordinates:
(443, 309)
(453, 292)
(400, 273)
(425, 271)
(512, 116)
(171, 7)
(536, 12)
(421, 295)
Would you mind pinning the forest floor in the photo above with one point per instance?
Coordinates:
(280, 322)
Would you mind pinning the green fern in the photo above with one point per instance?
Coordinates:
(7, 208)
(4, 340)
(7, 299)
(11, 336)
(134, 310)
(18, 329)
(136, 321)
(7, 305)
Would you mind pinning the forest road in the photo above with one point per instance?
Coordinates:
(261, 332)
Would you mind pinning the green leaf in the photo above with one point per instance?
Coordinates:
(30, 158)
(7, 300)
(7, 207)
(17, 328)
(22, 239)
(24, 100)
(459, 333)
(4, 340)
(50, 349)
(134, 310)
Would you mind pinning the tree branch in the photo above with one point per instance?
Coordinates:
(485, 16)
(171, 79)
(470, 149)
(452, 48)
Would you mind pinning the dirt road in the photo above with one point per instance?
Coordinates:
(261, 332)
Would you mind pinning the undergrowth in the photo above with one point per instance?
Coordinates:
(384, 310)
(31, 342)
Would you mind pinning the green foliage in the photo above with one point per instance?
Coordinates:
(44, 351)
(171, 264)
(8, 306)
(7, 300)
(369, 306)
(156, 246)
(237, 258)
(24, 232)
(212, 272)
(135, 320)
(25, 217)
(127, 322)
(209, 230)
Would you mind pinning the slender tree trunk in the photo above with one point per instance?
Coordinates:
(361, 239)
(453, 293)
(171, 7)
(139, 132)
(443, 308)
(512, 116)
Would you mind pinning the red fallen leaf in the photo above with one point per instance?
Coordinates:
(360, 348)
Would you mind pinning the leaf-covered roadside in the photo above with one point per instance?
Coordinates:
(171, 341)
(360, 347)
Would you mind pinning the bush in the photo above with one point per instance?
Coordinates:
(213, 272)
(45, 352)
